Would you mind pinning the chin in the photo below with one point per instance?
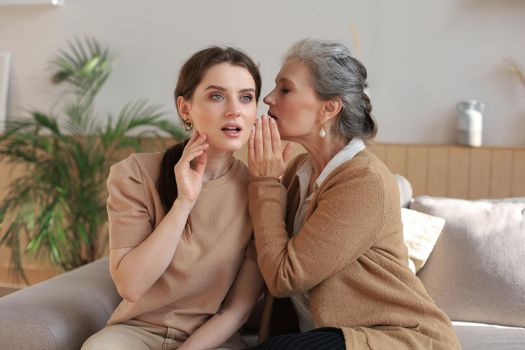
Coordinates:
(228, 145)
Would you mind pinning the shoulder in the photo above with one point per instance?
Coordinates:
(364, 162)
(136, 176)
(148, 163)
(138, 166)
(366, 172)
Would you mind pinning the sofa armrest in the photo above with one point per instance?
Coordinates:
(60, 313)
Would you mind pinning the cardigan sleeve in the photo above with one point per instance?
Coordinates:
(128, 216)
(342, 227)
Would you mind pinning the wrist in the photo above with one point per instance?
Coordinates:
(265, 178)
(183, 204)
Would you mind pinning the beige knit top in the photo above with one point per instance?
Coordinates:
(206, 260)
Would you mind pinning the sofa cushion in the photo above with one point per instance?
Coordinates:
(481, 336)
(60, 313)
(405, 190)
(476, 271)
(420, 232)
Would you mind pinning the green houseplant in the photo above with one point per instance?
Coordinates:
(58, 204)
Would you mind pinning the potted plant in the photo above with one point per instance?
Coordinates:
(58, 204)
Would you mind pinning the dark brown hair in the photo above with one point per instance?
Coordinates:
(190, 76)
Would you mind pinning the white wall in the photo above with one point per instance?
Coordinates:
(422, 56)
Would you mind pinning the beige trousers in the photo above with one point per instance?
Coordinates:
(137, 335)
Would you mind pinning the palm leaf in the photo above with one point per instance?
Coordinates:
(85, 65)
(58, 204)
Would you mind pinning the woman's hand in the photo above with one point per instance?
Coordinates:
(189, 170)
(265, 154)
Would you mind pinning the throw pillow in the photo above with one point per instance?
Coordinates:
(405, 191)
(421, 232)
(476, 271)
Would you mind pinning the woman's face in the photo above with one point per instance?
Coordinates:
(223, 106)
(294, 103)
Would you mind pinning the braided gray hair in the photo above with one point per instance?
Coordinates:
(335, 73)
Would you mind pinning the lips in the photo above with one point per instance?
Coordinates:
(271, 115)
(232, 127)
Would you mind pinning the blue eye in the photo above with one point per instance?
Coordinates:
(217, 97)
(246, 98)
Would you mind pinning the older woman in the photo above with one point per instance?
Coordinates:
(327, 228)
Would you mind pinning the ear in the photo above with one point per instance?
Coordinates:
(184, 108)
(332, 108)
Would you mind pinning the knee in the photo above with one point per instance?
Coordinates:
(96, 342)
(104, 340)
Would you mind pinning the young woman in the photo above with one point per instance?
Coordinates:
(181, 254)
(328, 230)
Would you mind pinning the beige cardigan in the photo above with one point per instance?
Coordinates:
(349, 256)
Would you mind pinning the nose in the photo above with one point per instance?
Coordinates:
(234, 114)
(233, 110)
(268, 99)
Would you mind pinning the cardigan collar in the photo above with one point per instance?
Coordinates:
(348, 152)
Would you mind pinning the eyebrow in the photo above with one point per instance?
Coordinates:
(286, 80)
(220, 88)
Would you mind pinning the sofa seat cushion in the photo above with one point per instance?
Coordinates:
(476, 271)
(481, 336)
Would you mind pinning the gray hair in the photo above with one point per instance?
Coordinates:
(335, 73)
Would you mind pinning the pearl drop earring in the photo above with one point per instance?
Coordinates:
(322, 133)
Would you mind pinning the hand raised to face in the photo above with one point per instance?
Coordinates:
(189, 170)
(266, 157)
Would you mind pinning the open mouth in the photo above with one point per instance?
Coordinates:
(232, 129)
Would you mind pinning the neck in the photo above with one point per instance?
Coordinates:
(219, 162)
(322, 150)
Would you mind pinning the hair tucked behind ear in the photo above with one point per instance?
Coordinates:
(166, 184)
(335, 73)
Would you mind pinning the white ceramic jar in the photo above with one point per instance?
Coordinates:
(470, 123)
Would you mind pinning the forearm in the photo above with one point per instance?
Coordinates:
(216, 331)
(136, 272)
(332, 236)
(267, 199)
(236, 308)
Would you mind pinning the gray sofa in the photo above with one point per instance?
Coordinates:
(475, 273)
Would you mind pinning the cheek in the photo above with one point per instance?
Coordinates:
(202, 115)
(293, 112)
(298, 120)
(250, 114)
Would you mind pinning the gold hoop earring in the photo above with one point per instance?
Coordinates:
(188, 125)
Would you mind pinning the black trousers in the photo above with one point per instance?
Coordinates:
(318, 339)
